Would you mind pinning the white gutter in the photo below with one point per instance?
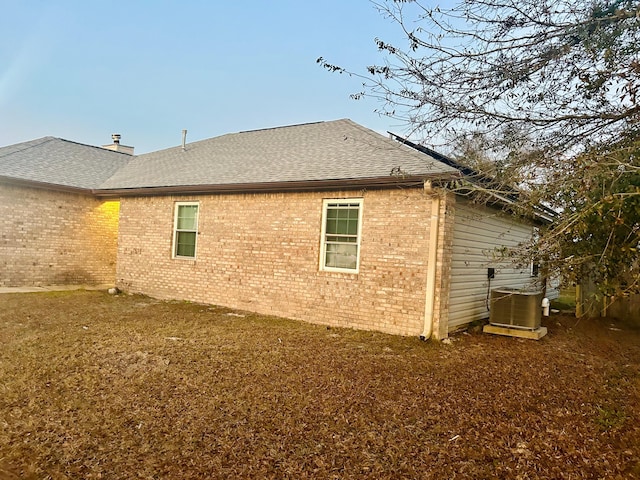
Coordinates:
(432, 258)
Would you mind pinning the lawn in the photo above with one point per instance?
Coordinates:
(125, 387)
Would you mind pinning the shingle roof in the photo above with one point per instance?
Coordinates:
(60, 162)
(339, 150)
(335, 150)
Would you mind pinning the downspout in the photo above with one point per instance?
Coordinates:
(432, 258)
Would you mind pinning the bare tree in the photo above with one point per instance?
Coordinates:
(564, 77)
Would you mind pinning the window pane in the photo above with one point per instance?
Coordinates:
(342, 221)
(352, 226)
(330, 259)
(342, 227)
(332, 226)
(186, 244)
(342, 256)
(187, 217)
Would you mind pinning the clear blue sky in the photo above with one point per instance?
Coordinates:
(83, 69)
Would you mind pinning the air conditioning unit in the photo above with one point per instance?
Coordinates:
(514, 308)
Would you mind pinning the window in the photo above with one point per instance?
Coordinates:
(186, 230)
(535, 265)
(341, 224)
(535, 268)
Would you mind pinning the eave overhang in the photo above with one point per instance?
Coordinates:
(406, 181)
(20, 182)
(391, 181)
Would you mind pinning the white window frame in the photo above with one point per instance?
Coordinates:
(326, 203)
(174, 244)
(534, 267)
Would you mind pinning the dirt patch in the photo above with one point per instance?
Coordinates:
(99, 386)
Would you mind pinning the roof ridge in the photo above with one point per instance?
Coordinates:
(281, 126)
(31, 145)
(49, 138)
(379, 137)
(92, 146)
(231, 134)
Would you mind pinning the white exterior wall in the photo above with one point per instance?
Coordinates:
(477, 232)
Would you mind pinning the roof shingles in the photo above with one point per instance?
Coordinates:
(325, 151)
(334, 150)
(60, 162)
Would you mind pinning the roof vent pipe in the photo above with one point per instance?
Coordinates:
(184, 139)
(116, 138)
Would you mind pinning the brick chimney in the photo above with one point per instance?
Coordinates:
(116, 147)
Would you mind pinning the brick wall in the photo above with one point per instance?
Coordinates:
(260, 252)
(443, 275)
(56, 238)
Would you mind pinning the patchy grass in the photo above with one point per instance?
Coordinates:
(566, 301)
(610, 417)
(96, 386)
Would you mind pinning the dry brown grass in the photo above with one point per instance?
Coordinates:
(95, 386)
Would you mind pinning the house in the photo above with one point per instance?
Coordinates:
(326, 222)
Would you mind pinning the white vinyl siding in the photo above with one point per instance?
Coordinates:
(477, 232)
(341, 226)
(185, 231)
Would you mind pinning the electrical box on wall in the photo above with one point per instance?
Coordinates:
(491, 272)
